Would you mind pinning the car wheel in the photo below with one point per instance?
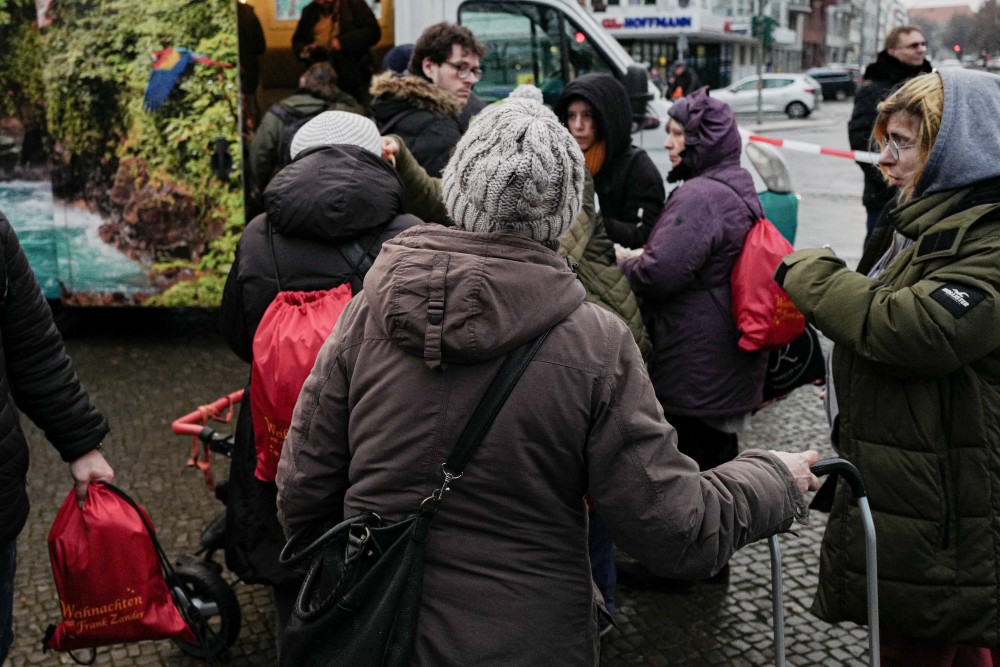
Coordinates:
(841, 95)
(217, 607)
(797, 110)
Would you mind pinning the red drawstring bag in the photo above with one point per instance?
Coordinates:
(109, 575)
(288, 339)
(765, 316)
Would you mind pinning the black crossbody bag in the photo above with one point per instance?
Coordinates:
(359, 601)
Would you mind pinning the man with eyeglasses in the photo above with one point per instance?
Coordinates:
(901, 60)
(429, 106)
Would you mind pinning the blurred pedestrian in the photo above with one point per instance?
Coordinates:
(37, 379)
(505, 578)
(629, 188)
(339, 191)
(341, 32)
(683, 81)
(656, 79)
(916, 363)
(397, 59)
(902, 59)
(317, 92)
(425, 106)
(252, 45)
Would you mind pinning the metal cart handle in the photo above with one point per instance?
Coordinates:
(845, 468)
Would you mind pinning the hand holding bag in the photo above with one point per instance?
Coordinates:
(359, 601)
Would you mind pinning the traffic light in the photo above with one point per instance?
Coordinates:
(957, 48)
(762, 27)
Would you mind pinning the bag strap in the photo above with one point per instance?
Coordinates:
(491, 402)
(482, 418)
(274, 258)
(359, 257)
(740, 197)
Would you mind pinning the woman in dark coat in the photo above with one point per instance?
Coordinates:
(338, 195)
(38, 380)
(596, 110)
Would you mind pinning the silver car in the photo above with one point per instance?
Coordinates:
(797, 95)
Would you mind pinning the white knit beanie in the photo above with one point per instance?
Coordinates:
(337, 127)
(517, 168)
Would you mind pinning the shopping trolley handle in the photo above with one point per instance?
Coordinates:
(845, 468)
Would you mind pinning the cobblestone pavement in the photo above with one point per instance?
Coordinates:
(145, 369)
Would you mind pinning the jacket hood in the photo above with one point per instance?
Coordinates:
(967, 144)
(887, 68)
(333, 194)
(609, 100)
(393, 93)
(711, 136)
(449, 295)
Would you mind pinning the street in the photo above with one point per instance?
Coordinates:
(146, 368)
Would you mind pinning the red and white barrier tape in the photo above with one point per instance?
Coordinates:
(803, 147)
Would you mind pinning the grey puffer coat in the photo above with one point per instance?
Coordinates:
(682, 277)
(507, 579)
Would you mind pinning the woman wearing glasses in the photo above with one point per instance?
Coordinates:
(916, 366)
(426, 106)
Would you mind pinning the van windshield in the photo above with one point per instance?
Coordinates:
(529, 43)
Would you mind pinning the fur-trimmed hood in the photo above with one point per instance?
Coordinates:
(416, 91)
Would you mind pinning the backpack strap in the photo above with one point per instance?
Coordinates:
(358, 256)
(729, 185)
(274, 258)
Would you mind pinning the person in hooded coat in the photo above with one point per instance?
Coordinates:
(506, 579)
(628, 185)
(707, 385)
(337, 192)
(916, 367)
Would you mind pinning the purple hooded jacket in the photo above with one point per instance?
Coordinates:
(682, 276)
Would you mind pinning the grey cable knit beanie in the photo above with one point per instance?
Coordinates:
(337, 127)
(517, 168)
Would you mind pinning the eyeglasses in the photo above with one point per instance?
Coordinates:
(894, 148)
(463, 70)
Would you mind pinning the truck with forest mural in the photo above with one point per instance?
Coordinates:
(123, 124)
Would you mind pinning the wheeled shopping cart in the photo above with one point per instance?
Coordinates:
(853, 477)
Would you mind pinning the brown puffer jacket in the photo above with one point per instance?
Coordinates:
(507, 579)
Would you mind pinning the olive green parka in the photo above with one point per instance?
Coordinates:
(916, 370)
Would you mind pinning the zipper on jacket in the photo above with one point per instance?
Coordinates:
(946, 503)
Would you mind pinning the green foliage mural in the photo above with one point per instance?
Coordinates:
(148, 172)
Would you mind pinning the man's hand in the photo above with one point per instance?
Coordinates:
(798, 464)
(91, 467)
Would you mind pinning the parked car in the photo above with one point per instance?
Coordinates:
(837, 83)
(794, 94)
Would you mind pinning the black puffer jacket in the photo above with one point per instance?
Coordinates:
(881, 78)
(37, 377)
(326, 199)
(628, 186)
(425, 116)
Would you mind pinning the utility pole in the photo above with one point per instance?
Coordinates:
(761, 27)
(862, 60)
